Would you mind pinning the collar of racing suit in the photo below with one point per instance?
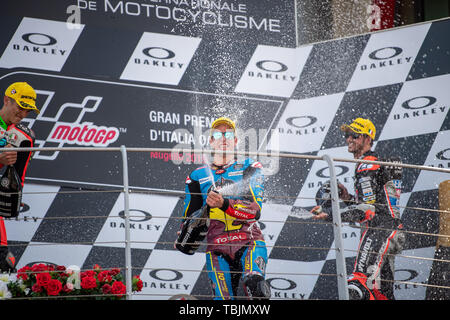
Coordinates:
(225, 166)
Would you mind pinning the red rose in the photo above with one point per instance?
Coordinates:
(87, 273)
(114, 271)
(54, 287)
(104, 276)
(88, 283)
(106, 289)
(67, 288)
(23, 273)
(43, 279)
(36, 288)
(39, 267)
(138, 283)
(118, 288)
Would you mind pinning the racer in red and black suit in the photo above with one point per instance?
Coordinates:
(236, 254)
(375, 207)
(18, 101)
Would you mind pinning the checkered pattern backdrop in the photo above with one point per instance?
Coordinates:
(107, 84)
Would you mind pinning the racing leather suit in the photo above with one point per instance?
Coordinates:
(18, 136)
(375, 207)
(236, 253)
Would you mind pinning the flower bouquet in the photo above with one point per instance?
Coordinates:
(42, 280)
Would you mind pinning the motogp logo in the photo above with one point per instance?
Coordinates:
(77, 132)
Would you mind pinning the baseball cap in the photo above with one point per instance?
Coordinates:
(223, 120)
(362, 126)
(23, 94)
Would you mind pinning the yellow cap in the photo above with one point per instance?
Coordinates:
(23, 94)
(362, 126)
(223, 120)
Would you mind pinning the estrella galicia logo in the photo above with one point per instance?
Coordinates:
(386, 57)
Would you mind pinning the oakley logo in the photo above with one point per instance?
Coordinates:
(321, 172)
(159, 53)
(39, 39)
(146, 216)
(271, 66)
(301, 121)
(385, 53)
(416, 108)
(40, 44)
(282, 284)
(166, 274)
(386, 57)
(443, 155)
(419, 102)
(152, 55)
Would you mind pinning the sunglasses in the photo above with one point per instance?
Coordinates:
(218, 135)
(354, 135)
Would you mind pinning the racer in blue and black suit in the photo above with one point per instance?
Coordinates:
(236, 254)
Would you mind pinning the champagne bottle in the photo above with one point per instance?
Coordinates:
(193, 231)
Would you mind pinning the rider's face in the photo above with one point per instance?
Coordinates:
(223, 138)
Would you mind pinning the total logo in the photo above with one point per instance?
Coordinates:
(79, 132)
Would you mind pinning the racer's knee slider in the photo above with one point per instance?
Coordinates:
(255, 287)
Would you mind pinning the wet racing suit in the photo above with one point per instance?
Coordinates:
(18, 136)
(374, 207)
(236, 253)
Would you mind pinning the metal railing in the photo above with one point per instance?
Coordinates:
(341, 273)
